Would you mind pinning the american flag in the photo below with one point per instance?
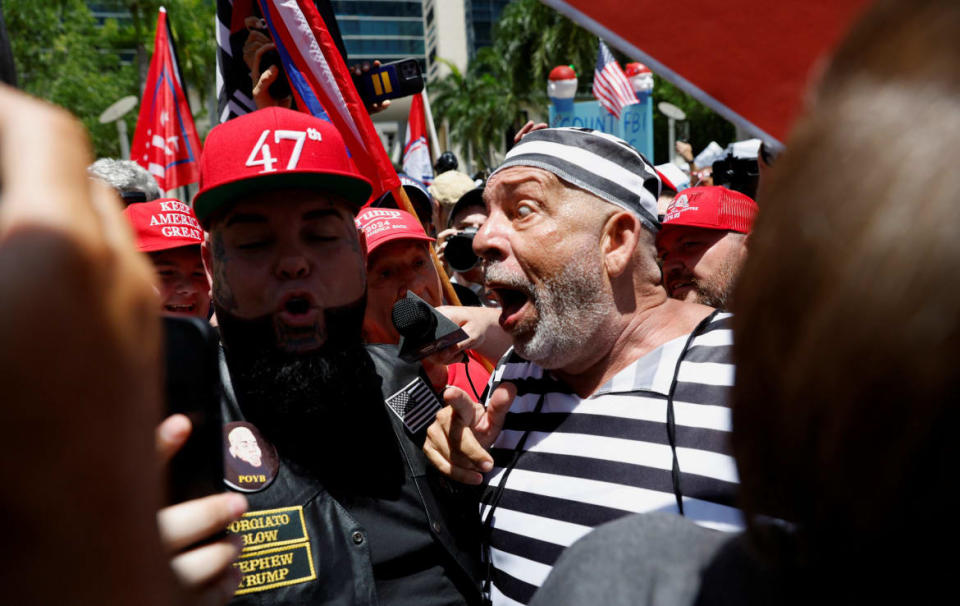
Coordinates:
(610, 85)
(415, 404)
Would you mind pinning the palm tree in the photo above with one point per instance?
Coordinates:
(479, 106)
(505, 83)
(533, 38)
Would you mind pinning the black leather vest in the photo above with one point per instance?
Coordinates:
(304, 548)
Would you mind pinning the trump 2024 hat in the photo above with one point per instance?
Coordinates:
(163, 224)
(275, 148)
(712, 207)
(382, 225)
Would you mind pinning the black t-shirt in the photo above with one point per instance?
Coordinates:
(409, 567)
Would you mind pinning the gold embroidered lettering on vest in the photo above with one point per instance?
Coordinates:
(270, 568)
(271, 528)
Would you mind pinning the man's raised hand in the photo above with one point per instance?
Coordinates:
(190, 531)
(458, 440)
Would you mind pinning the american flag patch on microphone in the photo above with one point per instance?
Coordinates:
(415, 404)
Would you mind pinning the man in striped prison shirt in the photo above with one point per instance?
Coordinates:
(613, 399)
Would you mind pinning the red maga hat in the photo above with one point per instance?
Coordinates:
(163, 224)
(712, 207)
(275, 148)
(382, 225)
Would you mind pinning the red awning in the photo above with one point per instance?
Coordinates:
(748, 60)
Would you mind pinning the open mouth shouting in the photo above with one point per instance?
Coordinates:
(513, 306)
(299, 323)
(516, 297)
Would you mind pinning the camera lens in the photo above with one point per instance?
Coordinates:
(459, 251)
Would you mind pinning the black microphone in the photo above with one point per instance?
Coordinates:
(423, 330)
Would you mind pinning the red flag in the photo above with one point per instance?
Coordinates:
(316, 70)
(416, 153)
(749, 60)
(165, 142)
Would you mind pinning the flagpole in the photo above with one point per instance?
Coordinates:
(452, 298)
(361, 131)
(400, 195)
(431, 129)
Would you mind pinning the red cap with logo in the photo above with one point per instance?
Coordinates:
(382, 225)
(275, 148)
(163, 224)
(712, 207)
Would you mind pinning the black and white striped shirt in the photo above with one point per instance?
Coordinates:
(592, 460)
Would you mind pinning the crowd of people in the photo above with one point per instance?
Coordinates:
(659, 396)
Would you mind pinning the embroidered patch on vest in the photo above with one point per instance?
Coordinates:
(270, 528)
(276, 549)
(272, 568)
(250, 463)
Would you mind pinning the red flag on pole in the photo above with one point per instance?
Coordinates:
(416, 152)
(165, 141)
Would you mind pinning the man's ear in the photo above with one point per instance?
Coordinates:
(621, 233)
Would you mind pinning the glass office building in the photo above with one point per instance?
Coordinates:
(481, 16)
(387, 30)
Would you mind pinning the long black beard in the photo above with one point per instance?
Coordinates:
(323, 410)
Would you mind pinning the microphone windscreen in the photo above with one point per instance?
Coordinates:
(412, 318)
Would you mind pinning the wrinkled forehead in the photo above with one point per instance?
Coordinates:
(520, 180)
(528, 182)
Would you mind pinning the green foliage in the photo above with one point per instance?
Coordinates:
(507, 82)
(61, 56)
(64, 56)
(479, 106)
(705, 124)
(533, 38)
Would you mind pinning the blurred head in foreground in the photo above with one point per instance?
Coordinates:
(847, 310)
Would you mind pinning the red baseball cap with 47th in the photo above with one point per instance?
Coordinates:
(163, 224)
(275, 148)
(712, 207)
(382, 225)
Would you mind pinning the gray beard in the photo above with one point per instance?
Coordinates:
(571, 308)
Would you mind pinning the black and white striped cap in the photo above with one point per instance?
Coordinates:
(604, 165)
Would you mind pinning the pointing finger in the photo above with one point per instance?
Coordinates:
(491, 423)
